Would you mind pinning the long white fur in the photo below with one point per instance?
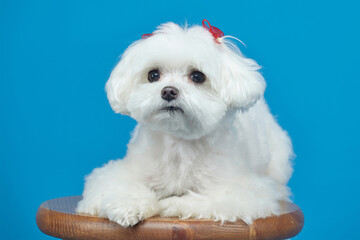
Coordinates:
(225, 158)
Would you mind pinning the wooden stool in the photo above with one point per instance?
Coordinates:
(57, 218)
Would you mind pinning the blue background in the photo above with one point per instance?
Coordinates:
(56, 124)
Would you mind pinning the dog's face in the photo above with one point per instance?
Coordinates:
(182, 82)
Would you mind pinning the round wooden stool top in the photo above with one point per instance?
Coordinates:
(57, 218)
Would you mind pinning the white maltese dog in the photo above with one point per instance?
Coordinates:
(206, 145)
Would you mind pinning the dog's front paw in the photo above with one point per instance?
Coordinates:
(125, 216)
(171, 207)
(198, 207)
(128, 212)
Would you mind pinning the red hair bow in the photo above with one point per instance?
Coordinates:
(217, 33)
(146, 35)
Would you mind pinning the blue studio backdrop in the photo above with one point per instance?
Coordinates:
(56, 124)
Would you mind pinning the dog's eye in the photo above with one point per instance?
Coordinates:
(153, 75)
(197, 77)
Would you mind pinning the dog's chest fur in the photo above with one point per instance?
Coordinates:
(178, 168)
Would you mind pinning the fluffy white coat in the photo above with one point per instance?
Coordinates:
(224, 157)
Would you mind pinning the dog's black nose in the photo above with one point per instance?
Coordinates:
(169, 93)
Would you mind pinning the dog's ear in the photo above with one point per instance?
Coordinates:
(120, 84)
(241, 83)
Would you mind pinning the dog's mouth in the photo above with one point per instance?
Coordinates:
(172, 109)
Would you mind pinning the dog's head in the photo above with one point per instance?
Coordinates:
(182, 82)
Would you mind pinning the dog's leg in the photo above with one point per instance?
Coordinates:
(113, 192)
(129, 207)
(246, 201)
